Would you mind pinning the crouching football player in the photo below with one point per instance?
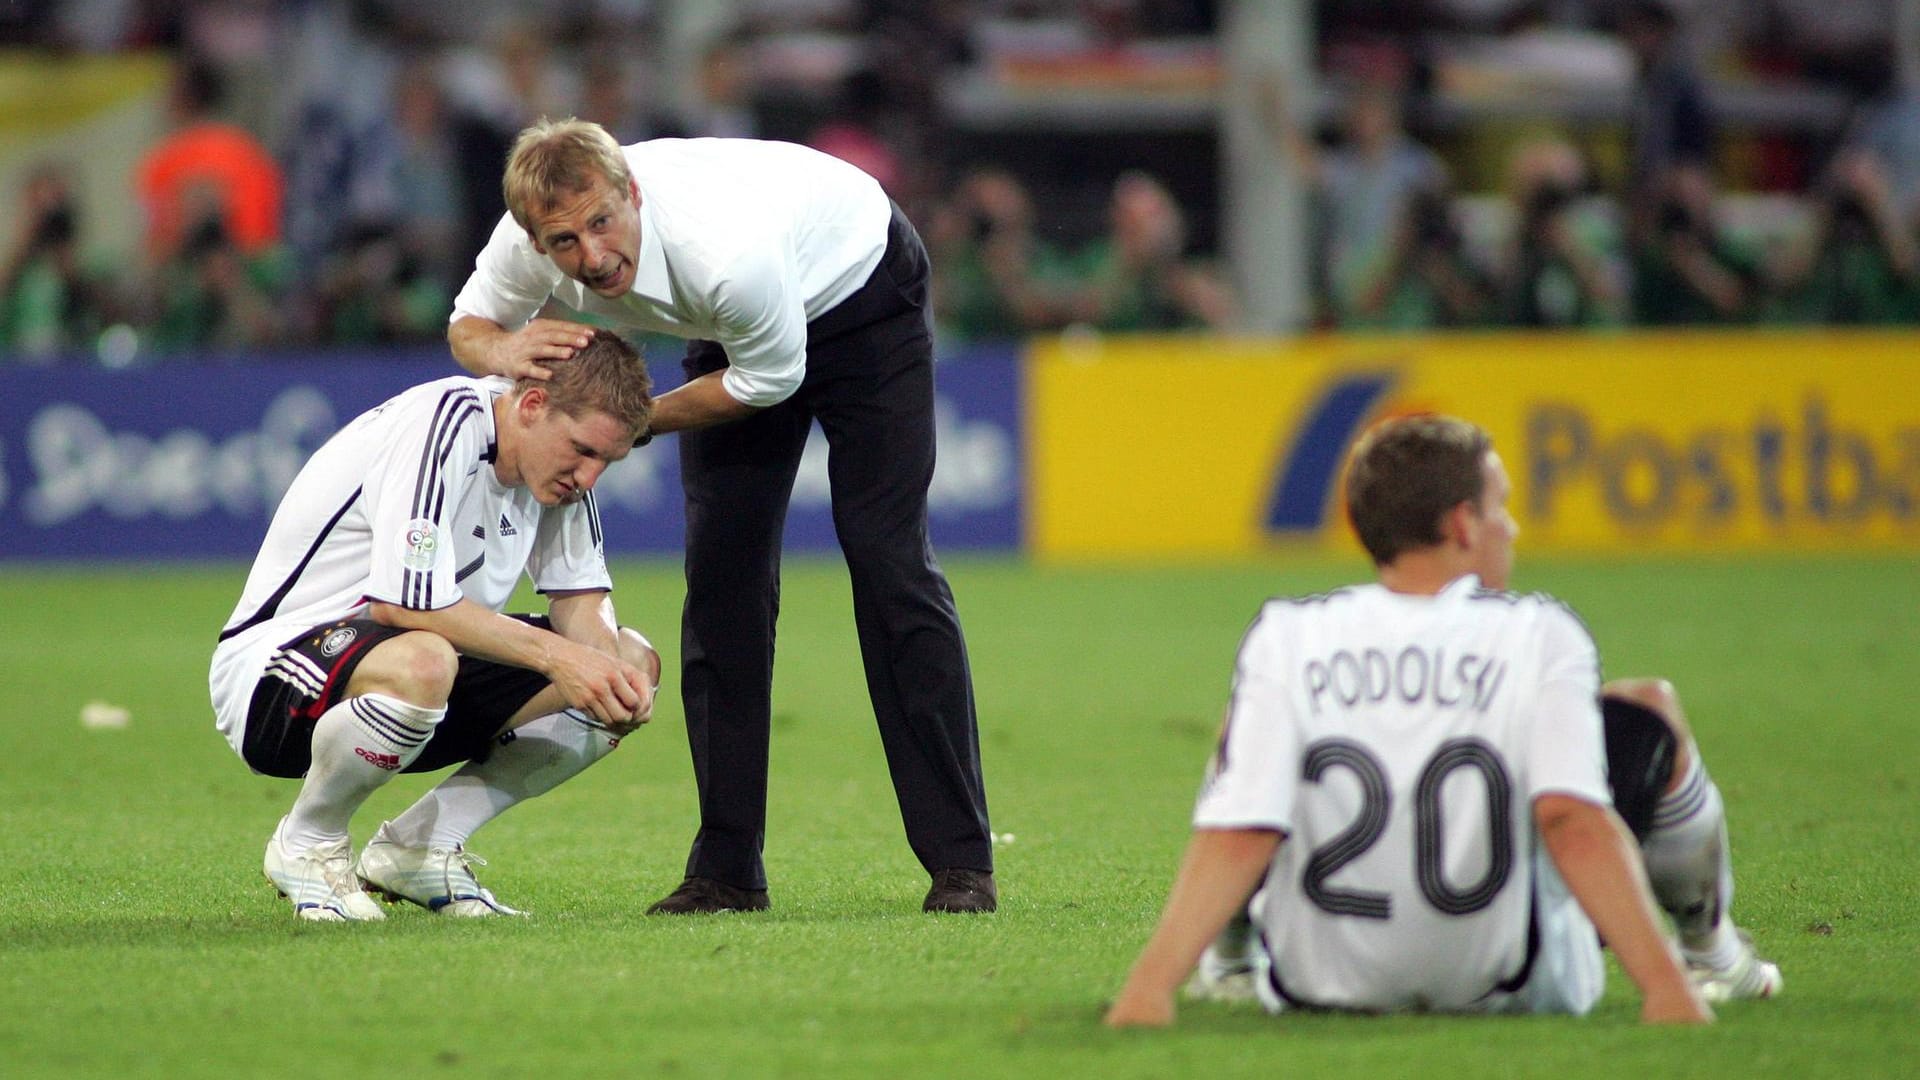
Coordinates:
(1424, 782)
(369, 639)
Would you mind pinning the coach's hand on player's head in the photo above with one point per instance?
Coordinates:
(526, 352)
(609, 689)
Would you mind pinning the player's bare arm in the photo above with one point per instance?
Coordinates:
(1219, 872)
(1595, 856)
(600, 684)
(484, 347)
(587, 617)
(698, 403)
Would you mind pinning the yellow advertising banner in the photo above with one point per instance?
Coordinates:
(1643, 442)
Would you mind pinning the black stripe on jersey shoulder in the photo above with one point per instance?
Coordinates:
(1509, 597)
(593, 519)
(456, 406)
(449, 435)
(272, 605)
(1313, 598)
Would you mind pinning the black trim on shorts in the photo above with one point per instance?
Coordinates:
(1640, 757)
(278, 740)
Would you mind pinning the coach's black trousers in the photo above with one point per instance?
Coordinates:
(869, 382)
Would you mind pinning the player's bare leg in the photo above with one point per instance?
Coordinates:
(395, 697)
(1690, 865)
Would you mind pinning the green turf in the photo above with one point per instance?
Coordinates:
(137, 937)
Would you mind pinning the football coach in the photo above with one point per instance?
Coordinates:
(803, 290)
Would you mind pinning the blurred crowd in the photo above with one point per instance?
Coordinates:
(329, 167)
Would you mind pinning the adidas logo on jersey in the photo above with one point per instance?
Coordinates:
(389, 762)
(506, 527)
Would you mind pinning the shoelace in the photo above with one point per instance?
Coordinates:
(336, 867)
(467, 860)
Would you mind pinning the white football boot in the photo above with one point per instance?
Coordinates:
(319, 881)
(1231, 966)
(438, 879)
(1749, 976)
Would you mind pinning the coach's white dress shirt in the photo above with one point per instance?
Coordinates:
(742, 242)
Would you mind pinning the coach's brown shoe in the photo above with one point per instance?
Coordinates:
(706, 896)
(962, 891)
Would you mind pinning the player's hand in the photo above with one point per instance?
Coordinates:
(1140, 1008)
(612, 691)
(641, 715)
(529, 351)
(1681, 1006)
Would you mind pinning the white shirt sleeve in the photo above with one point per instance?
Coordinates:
(1567, 751)
(510, 281)
(411, 491)
(1252, 779)
(761, 320)
(568, 551)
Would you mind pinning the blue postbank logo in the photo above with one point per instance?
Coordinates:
(1309, 467)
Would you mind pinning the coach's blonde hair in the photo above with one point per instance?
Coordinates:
(605, 376)
(555, 157)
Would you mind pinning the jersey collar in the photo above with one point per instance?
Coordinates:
(650, 279)
(494, 387)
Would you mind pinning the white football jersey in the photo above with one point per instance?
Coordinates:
(403, 506)
(1399, 742)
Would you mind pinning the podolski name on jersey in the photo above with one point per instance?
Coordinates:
(1411, 676)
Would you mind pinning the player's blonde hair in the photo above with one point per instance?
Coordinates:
(606, 376)
(1405, 474)
(555, 157)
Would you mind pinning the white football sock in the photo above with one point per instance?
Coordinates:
(358, 745)
(543, 753)
(1691, 869)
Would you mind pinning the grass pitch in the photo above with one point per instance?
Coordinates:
(137, 937)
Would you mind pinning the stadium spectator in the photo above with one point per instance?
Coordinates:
(1858, 263)
(854, 132)
(1390, 255)
(1669, 124)
(616, 95)
(377, 288)
(1561, 270)
(1687, 269)
(49, 304)
(1338, 779)
(723, 107)
(429, 193)
(203, 159)
(1887, 130)
(211, 296)
(805, 290)
(378, 647)
(995, 278)
(339, 74)
(1139, 278)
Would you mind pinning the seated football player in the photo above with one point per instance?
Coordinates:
(370, 639)
(1422, 788)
